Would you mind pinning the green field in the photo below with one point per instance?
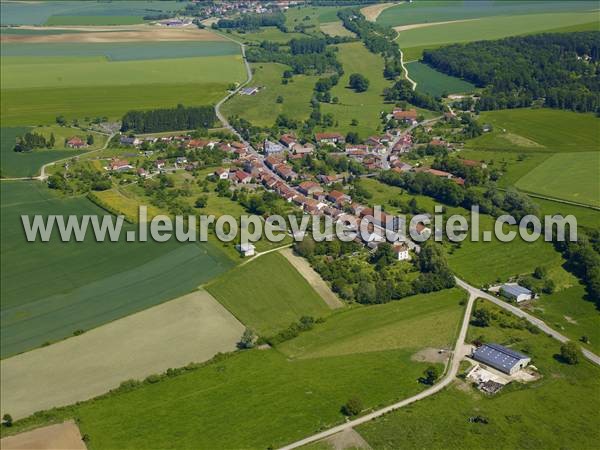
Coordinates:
(262, 109)
(489, 28)
(558, 411)
(367, 106)
(404, 324)
(538, 130)
(216, 398)
(26, 164)
(94, 20)
(336, 29)
(441, 11)
(586, 217)
(267, 294)
(578, 184)
(436, 83)
(48, 53)
(272, 34)
(38, 13)
(49, 290)
(311, 16)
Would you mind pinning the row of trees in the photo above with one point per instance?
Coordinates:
(249, 22)
(32, 140)
(307, 45)
(490, 201)
(560, 69)
(180, 118)
(304, 63)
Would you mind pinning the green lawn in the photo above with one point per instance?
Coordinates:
(538, 130)
(267, 294)
(586, 217)
(49, 290)
(436, 83)
(367, 106)
(558, 411)
(580, 183)
(26, 164)
(262, 109)
(404, 324)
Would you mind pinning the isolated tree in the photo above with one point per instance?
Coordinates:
(430, 375)
(569, 353)
(481, 317)
(247, 339)
(51, 141)
(352, 137)
(540, 272)
(7, 420)
(201, 202)
(358, 82)
(279, 99)
(354, 122)
(352, 407)
(90, 139)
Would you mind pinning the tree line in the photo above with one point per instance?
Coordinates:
(558, 69)
(251, 22)
(179, 118)
(402, 91)
(32, 140)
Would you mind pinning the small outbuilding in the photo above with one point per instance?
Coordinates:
(501, 358)
(516, 292)
(246, 249)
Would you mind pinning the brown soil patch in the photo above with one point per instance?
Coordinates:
(313, 278)
(63, 436)
(372, 12)
(431, 355)
(347, 439)
(570, 320)
(428, 24)
(146, 34)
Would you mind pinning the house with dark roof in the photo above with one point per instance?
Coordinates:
(501, 358)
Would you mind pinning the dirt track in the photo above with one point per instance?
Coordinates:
(372, 12)
(313, 278)
(145, 33)
(191, 328)
(63, 436)
(428, 24)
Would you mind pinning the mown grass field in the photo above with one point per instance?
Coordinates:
(538, 130)
(580, 183)
(365, 107)
(441, 11)
(262, 109)
(336, 29)
(94, 20)
(267, 294)
(436, 83)
(489, 28)
(311, 16)
(272, 34)
(559, 410)
(49, 290)
(26, 164)
(404, 324)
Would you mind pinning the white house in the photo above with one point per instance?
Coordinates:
(401, 252)
(246, 249)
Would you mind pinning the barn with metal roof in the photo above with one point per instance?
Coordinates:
(501, 358)
(516, 292)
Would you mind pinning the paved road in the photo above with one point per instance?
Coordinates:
(520, 313)
(445, 381)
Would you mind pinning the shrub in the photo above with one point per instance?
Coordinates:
(353, 407)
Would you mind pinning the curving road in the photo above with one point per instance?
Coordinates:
(456, 356)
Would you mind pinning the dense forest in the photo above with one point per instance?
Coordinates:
(562, 69)
(180, 118)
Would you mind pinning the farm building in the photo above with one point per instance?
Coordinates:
(272, 147)
(516, 292)
(249, 91)
(76, 142)
(401, 252)
(501, 358)
(246, 249)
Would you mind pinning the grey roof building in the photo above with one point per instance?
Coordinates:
(516, 292)
(501, 358)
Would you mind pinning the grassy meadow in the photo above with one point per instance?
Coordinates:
(262, 109)
(435, 83)
(578, 184)
(27, 164)
(80, 285)
(367, 106)
(557, 411)
(267, 294)
(404, 324)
